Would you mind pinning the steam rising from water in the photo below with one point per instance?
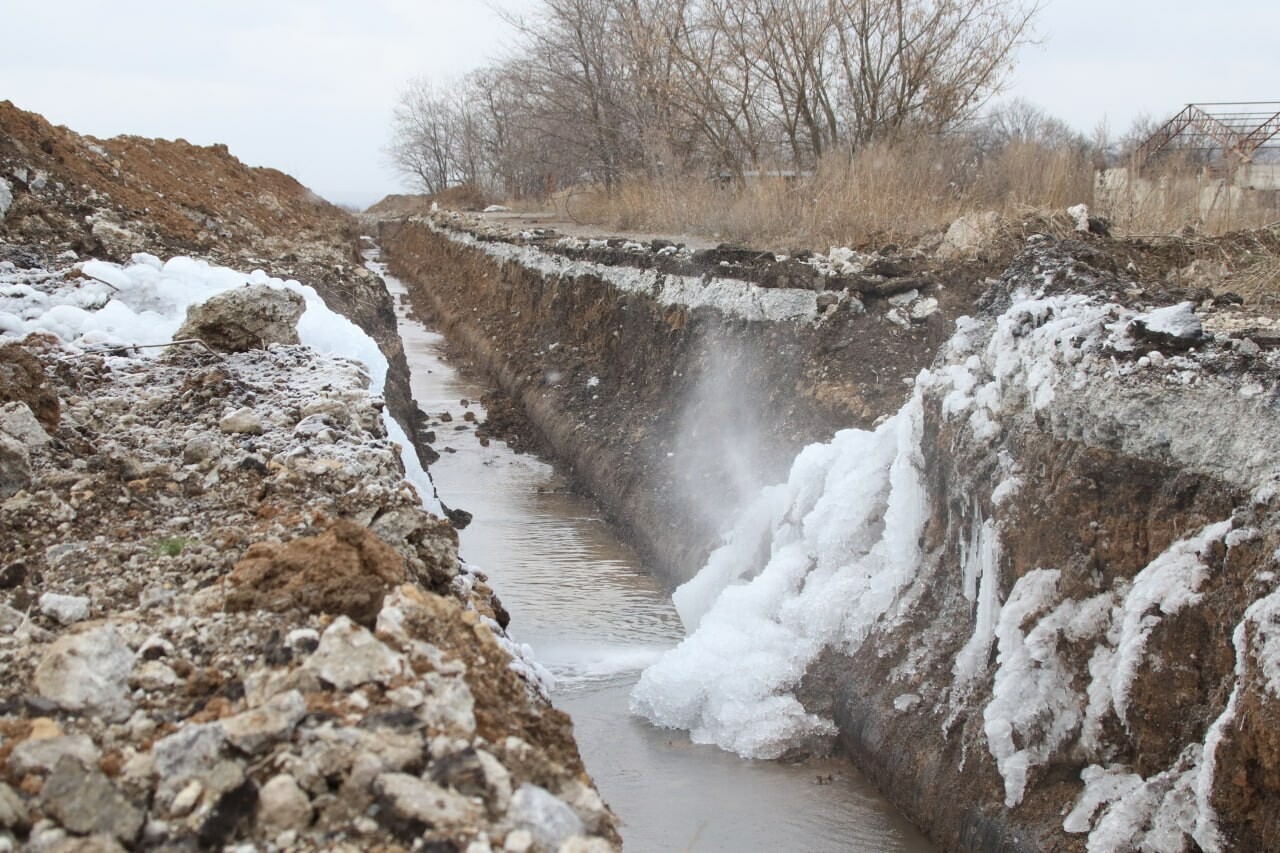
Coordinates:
(811, 564)
(718, 461)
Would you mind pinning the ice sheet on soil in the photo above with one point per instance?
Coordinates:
(811, 564)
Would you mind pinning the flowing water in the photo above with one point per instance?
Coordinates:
(582, 600)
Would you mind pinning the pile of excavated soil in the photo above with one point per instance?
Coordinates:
(225, 616)
(70, 197)
(220, 625)
(111, 197)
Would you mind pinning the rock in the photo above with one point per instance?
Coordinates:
(548, 818)
(451, 707)
(187, 799)
(906, 297)
(283, 805)
(153, 675)
(252, 317)
(518, 841)
(88, 672)
(253, 731)
(475, 773)
(15, 467)
(350, 655)
(968, 234)
(242, 421)
(13, 811)
(42, 754)
(6, 198)
(924, 309)
(64, 609)
(205, 446)
(303, 641)
(410, 805)
(190, 752)
(19, 422)
(346, 570)
(898, 317)
(22, 380)
(1246, 347)
(84, 801)
(11, 619)
(587, 805)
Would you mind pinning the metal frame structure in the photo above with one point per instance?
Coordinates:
(1238, 130)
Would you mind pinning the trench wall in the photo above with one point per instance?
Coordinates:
(669, 414)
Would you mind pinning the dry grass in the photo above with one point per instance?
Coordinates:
(897, 192)
(887, 193)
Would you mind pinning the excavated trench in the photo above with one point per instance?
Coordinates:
(594, 617)
(981, 693)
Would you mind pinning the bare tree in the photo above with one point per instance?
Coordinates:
(1019, 120)
(420, 143)
(920, 63)
(602, 89)
(438, 137)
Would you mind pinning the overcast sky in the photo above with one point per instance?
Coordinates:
(308, 86)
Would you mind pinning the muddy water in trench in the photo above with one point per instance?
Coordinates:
(595, 619)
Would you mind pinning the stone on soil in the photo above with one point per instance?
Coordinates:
(19, 422)
(192, 751)
(349, 656)
(410, 804)
(244, 421)
(88, 672)
(64, 609)
(253, 317)
(283, 805)
(42, 754)
(253, 731)
(83, 800)
(13, 812)
(546, 816)
(15, 467)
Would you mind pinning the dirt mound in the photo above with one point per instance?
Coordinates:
(346, 570)
(397, 204)
(110, 198)
(465, 197)
(67, 197)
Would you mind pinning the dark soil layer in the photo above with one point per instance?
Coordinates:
(691, 410)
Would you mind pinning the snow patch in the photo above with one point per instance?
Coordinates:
(1168, 584)
(1179, 320)
(732, 298)
(145, 302)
